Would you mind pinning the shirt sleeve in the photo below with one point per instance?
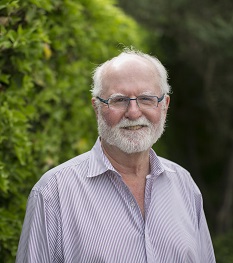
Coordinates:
(206, 251)
(40, 239)
(206, 247)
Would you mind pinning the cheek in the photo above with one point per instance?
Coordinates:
(111, 117)
(154, 117)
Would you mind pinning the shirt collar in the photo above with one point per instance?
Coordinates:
(157, 166)
(99, 163)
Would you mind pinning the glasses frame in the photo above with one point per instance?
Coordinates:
(129, 99)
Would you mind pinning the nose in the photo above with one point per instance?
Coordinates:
(133, 111)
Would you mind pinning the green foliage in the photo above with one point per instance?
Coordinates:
(223, 248)
(47, 52)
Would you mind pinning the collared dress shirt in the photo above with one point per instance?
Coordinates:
(82, 211)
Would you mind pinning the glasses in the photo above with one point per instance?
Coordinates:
(122, 102)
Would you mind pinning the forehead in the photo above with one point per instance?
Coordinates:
(132, 75)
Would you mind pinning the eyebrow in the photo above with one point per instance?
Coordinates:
(117, 94)
(147, 93)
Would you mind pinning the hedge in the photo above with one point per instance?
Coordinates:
(48, 50)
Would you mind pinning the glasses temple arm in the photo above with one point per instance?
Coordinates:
(102, 100)
(161, 98)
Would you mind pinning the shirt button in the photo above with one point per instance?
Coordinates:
(132, 204)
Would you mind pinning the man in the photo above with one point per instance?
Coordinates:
(119, 202)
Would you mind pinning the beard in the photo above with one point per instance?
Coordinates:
(127, 135)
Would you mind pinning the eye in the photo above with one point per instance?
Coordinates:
(146, 99)
(119, 100)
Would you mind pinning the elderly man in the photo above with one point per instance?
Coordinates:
(119, 202)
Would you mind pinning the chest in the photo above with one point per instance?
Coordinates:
(103, 224)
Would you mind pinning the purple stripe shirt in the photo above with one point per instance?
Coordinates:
(82, 211)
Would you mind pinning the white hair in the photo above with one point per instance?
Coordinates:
(99, 71)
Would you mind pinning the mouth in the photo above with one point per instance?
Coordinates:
(134, 128)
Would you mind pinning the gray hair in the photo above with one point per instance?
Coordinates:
(99, 71)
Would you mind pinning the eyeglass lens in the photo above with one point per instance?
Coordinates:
(122, 103)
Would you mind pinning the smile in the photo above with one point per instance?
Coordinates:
(136, 127)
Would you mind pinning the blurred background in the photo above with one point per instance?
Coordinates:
(48, 50)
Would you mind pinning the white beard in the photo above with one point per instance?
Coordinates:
(131, 141)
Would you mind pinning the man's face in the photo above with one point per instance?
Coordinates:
(133, 130)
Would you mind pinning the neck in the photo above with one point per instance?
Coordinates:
(133, 165)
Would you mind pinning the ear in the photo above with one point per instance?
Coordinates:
(167, 102)
(93, 102)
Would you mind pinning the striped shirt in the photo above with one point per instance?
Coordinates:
(82, 211)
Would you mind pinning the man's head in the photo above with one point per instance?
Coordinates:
(130, 97)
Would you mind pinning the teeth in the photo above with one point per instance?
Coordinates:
(134, 127)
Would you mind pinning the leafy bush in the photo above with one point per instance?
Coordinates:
(223, 248)
(47, 52)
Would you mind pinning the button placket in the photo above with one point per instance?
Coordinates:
(148, 189)
(132, 203)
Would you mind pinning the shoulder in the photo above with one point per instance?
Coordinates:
(180, 175)
(182, 181)
(172, 165)
(48, 181)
